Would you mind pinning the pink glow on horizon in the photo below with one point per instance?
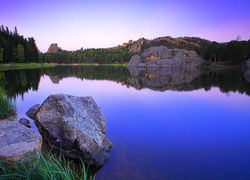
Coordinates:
(94, 24)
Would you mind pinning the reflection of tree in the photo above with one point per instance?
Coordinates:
(20, 81)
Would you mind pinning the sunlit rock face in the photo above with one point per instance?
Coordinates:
(53, 48)
(137, 46)
(161, 56)
(74, 126)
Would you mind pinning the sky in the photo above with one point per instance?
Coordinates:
(75, 24)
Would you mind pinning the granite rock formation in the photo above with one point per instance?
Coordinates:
(162, 57)
(74, 126)
(172, 43)
(32, 111)
(53, 48)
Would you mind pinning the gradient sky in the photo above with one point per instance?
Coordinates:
(107, 23)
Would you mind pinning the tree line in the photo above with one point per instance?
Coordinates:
(233, 53)
(89, 56)
(14, 48)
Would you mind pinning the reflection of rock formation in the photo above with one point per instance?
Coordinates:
(248, 63)
(163, 78)
(247, 75)
(55, 79)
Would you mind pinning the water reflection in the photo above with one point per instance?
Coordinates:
(234, 80)
(169, 123)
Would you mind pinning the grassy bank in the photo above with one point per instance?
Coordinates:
(52, 167)
(7, 108)
(24, 66)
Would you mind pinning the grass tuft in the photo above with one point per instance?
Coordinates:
(50, 167)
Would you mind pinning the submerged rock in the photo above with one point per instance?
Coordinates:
(25, 122)
(18, 143)
(75, 126)
(162, 57)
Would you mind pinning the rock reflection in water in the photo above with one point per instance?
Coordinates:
(162, 78)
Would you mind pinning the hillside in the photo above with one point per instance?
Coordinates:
(233, 53)
(188, 43)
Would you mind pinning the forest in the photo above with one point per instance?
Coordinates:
(88, 56)
(14, 48)
(232, 53)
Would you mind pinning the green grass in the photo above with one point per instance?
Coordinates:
(7, 108)
(52, 167)
(11, 66)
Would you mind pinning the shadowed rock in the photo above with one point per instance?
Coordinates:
(18, 143)
(75, 126)
(32, 111)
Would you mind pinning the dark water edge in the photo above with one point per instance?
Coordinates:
(164, 124)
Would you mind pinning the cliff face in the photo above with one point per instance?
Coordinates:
(53, 48)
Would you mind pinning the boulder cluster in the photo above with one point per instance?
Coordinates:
(71, 125)
(161, 57)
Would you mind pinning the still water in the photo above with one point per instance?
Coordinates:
(164, 124)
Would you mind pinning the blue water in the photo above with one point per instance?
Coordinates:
(164, 135)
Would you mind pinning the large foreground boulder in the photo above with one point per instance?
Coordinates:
(162, 57)
(18, 143)
(75, 126)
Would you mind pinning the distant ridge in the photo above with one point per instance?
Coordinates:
(189, 43)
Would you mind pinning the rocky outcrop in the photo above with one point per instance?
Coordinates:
(75, 126)
(18, 143)
(171, 43)
(53, 48)
(137, 45)
(161, 56)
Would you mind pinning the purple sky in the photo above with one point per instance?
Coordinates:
(107, 23)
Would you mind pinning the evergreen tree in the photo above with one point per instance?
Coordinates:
(1, 54)
(20, 53)
(16, 48)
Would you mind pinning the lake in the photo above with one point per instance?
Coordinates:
(163, 123)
